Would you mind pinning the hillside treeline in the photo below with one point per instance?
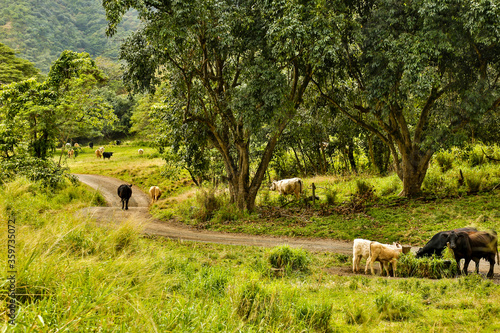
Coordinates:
(41, 29)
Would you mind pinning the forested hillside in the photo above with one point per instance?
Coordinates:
(41, 29)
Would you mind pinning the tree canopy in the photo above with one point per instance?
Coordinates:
(238, 72)
(13, 68)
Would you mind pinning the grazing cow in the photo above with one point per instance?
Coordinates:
(155, 193)
(288, 186)
(141, 151)
(107, 155)
(68, 145)
(101, 149)
(118, 142)
(360, 250)
(385, 254)
(125, 192)
(98, 153)
(91, 144)
(438, 243)
(76, 145)
(71, 153)
(475, 247)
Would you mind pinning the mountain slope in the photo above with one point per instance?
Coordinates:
(41, 29)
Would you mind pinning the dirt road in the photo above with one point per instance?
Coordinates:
(138, 214)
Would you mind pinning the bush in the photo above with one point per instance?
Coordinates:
(433, 268)
(316, 316)
(331, 195)
(392, 306)
(285, 257)
(445, 160)
(209, 203)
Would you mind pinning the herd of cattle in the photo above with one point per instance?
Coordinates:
(99, 153)
(465, 243)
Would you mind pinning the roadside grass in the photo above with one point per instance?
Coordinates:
(73, 275)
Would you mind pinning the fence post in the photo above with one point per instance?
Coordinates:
(314, 194)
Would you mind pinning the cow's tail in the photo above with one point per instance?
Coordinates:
(300, 182)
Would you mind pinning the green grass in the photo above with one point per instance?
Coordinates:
(75, 276)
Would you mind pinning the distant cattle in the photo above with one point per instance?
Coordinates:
(125, 192)
(107, 155)
(118, 142)
(141, 151)
(385, 254)
(91, 144)
(68, 145)
(98, 153)
(76, 145)
(438, 243)
(288, 186)
(71, 153)
(155, 193)
(474, 246)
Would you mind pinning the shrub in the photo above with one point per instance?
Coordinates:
(474, 181)
(433, 268)
(445, 160)
(256, 304)
(286, 257)
(316, 316)
(331, 195)
(354, 314)
(392, 306)
(209, 203)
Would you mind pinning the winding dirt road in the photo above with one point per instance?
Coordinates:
(138, 214)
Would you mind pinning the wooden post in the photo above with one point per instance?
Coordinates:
(314, 194)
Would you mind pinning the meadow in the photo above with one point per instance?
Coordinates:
(74, 275)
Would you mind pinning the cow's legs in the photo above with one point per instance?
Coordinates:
(492, 266)
(126, 204)
(466, 266)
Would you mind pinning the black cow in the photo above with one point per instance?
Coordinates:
(438, 242)
(474, 247)
(91, 144)
(107, 155)
(125, 192)
(118, 142)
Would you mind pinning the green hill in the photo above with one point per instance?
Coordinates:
(41, 29)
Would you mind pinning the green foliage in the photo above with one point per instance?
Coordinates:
(315, 316)
(445, 160)
(288, 258)
(396, 306)
(432, 268)
(12, 68)
(41, 30)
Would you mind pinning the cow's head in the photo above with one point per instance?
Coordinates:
(457, 239)
(273, 186)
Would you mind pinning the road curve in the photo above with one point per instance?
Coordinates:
(138, 214)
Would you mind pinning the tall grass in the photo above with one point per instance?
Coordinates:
(76, 276)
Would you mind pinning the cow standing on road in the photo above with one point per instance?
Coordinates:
(125, 192)
(475, 247)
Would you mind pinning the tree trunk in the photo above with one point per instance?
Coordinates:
(413, 169)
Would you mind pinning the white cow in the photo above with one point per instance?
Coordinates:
(141, 151)
(360, 250)
(288, 186)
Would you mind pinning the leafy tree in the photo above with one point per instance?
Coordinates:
(12, 68)
(34, 116)
(238, 71)
(415, 73)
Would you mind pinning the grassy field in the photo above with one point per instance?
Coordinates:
(73, 275)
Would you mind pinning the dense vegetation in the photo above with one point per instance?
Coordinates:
(41, 29)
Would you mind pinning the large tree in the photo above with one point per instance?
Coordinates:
(238, 72)
(13, 68)
(414, 73)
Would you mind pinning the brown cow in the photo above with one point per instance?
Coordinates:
(386, 254)
(155, 193)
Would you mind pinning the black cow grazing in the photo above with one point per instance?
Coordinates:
(107, 155)
(118, 142)
(91, 144)
(125, 192)
(438, 243)
(475, 247)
